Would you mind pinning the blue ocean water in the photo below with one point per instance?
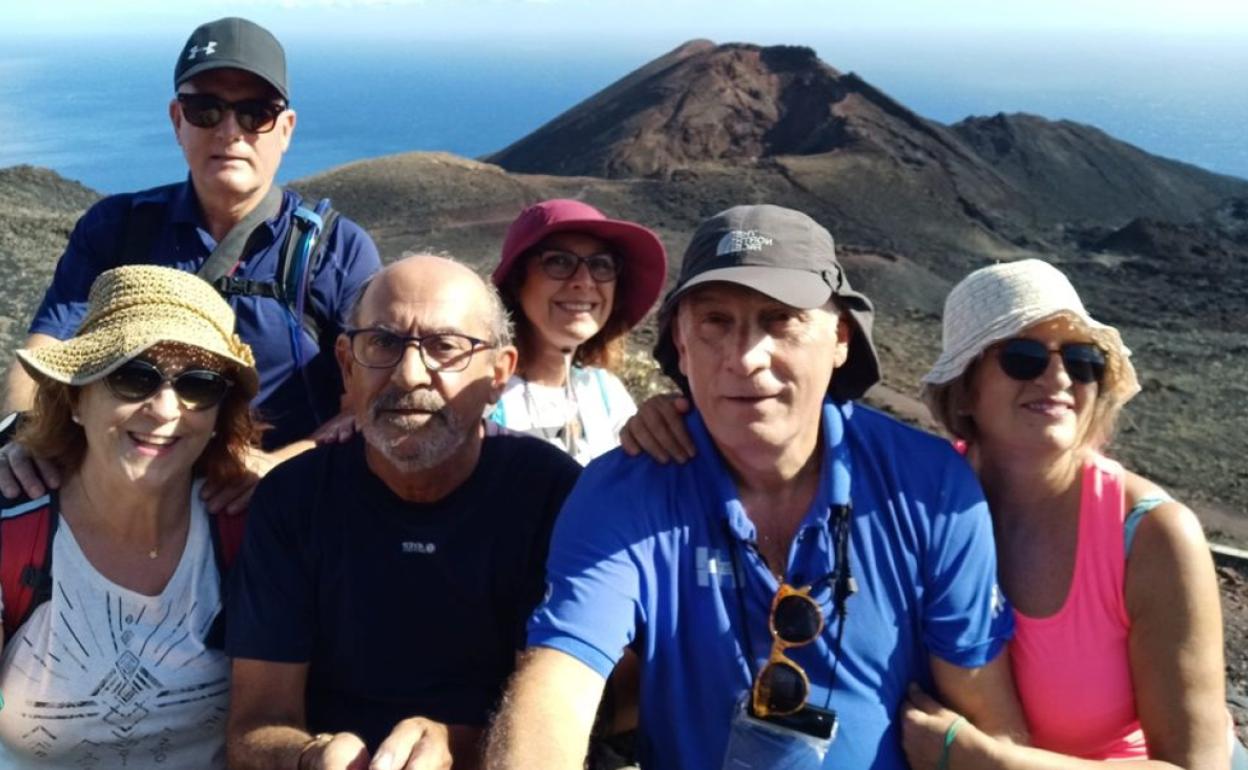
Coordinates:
(101, 118)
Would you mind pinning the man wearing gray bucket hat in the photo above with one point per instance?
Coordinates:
(230, 223)
(785, 586)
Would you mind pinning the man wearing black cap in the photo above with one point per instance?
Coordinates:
(786, 586)
(231, 115)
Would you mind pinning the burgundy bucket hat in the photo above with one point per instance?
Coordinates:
(643, 260)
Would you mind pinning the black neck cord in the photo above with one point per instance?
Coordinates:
(843, 586)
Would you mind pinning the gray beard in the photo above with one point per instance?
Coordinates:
(405, 441)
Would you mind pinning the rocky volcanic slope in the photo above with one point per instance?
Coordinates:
(37, 210)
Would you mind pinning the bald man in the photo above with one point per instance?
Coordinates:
(380, 597)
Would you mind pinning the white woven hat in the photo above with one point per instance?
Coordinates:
(996, 303)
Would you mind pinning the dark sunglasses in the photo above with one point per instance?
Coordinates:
(196, 389)
(781, 687)
(562, 265)
(1024, 359)
(255, 116)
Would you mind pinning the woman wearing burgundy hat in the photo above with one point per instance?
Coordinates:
(575, 283)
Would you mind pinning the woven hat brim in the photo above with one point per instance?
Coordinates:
(89, 357)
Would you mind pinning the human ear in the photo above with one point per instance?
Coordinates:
(502, 367)
(843, 334)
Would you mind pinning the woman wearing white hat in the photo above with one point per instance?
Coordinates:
(109, 659)
(1118, 646)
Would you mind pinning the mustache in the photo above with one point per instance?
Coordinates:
(423, 400)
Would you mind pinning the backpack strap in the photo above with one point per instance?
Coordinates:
(227, 538)
(229, 250)
(300, 259)
(27, 532)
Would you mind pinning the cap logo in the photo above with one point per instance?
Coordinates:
(207, 50)
(736, 241)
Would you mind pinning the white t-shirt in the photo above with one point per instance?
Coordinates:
(583, 418)
(103, 677)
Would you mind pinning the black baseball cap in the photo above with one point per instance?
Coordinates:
(789, 257)
(237, 44)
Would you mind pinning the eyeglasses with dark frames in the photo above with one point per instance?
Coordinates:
(377, 348)
(562, 265)
(255, 116)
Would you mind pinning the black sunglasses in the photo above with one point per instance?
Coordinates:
(562, 265)
(255, 116)
(1024, 359)
(196, 389)
(781, 687)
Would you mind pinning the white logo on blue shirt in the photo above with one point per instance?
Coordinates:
(421, 548)
(998, 600)
(713, 565)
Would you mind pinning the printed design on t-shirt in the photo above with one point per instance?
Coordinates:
(120, 675)
(714, 568)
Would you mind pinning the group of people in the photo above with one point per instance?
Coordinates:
(272, 505)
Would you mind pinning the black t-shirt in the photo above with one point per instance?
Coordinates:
(401, 609)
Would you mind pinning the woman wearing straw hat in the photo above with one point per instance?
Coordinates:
(575, 282)
(1118, 646)
(116, 668)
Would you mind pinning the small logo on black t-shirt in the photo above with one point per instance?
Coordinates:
(424, 548)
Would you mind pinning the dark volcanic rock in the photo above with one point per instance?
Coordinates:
(1074, 172)
(28, 187)
(703, 102)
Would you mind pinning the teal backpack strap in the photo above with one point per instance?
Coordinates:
(1134, 516)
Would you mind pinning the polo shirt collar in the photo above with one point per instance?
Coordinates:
(184, 207)
(835, 473)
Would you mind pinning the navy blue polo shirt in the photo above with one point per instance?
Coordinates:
(662, 558)
(401, 609)
(293, 401)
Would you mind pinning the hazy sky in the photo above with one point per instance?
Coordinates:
(756, 20)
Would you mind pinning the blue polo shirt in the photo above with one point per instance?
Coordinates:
(294, 401)
(642, 555)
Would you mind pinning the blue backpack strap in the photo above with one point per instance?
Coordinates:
(1132, 520)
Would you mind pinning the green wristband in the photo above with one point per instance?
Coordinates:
(950, 734)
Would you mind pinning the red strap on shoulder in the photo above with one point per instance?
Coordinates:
(227, 537)
(24, 552)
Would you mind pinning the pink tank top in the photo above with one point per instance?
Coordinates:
(1072, 668)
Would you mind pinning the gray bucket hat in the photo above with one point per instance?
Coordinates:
(789, 257)
(237, 44)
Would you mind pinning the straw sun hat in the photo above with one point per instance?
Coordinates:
(133, 308)
(998, 302)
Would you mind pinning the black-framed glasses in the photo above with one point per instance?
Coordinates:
(439, 352)
(196, 389)
(1026, 359)
(782, 687)
(255, 116)
(562, 265)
